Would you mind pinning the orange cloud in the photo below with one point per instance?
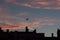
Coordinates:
(10, 27)
(13, 27)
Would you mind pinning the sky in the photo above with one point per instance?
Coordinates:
(44, 15)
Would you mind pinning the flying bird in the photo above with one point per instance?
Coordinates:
(27, 19)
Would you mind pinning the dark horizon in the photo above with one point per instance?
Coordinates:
(28, 30)
(27, 35)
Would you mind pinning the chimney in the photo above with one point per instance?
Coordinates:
(0, 28)
(27, 30)
(52, 34)
(7, 30)
(34, 31)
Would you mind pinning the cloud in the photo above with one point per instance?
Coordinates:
(6, 19)
(6, 15)
(26, 5)
(21, 25)
(52, 4)
(44, 4)
(44, 22)
(23, 14)
(40, 3)
(37, 22)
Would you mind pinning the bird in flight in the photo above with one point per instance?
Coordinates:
(27, 19)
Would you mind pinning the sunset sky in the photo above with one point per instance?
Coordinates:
(44, 15)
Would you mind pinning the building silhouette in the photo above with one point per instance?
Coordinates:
(27, 35)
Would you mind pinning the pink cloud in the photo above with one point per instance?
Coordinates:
(26, 5)
(13, 27)
(10, 27)
(5, 18)
(38, 22)
(31, 25)
(52, 4)
(22, 4)
(40, 4)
